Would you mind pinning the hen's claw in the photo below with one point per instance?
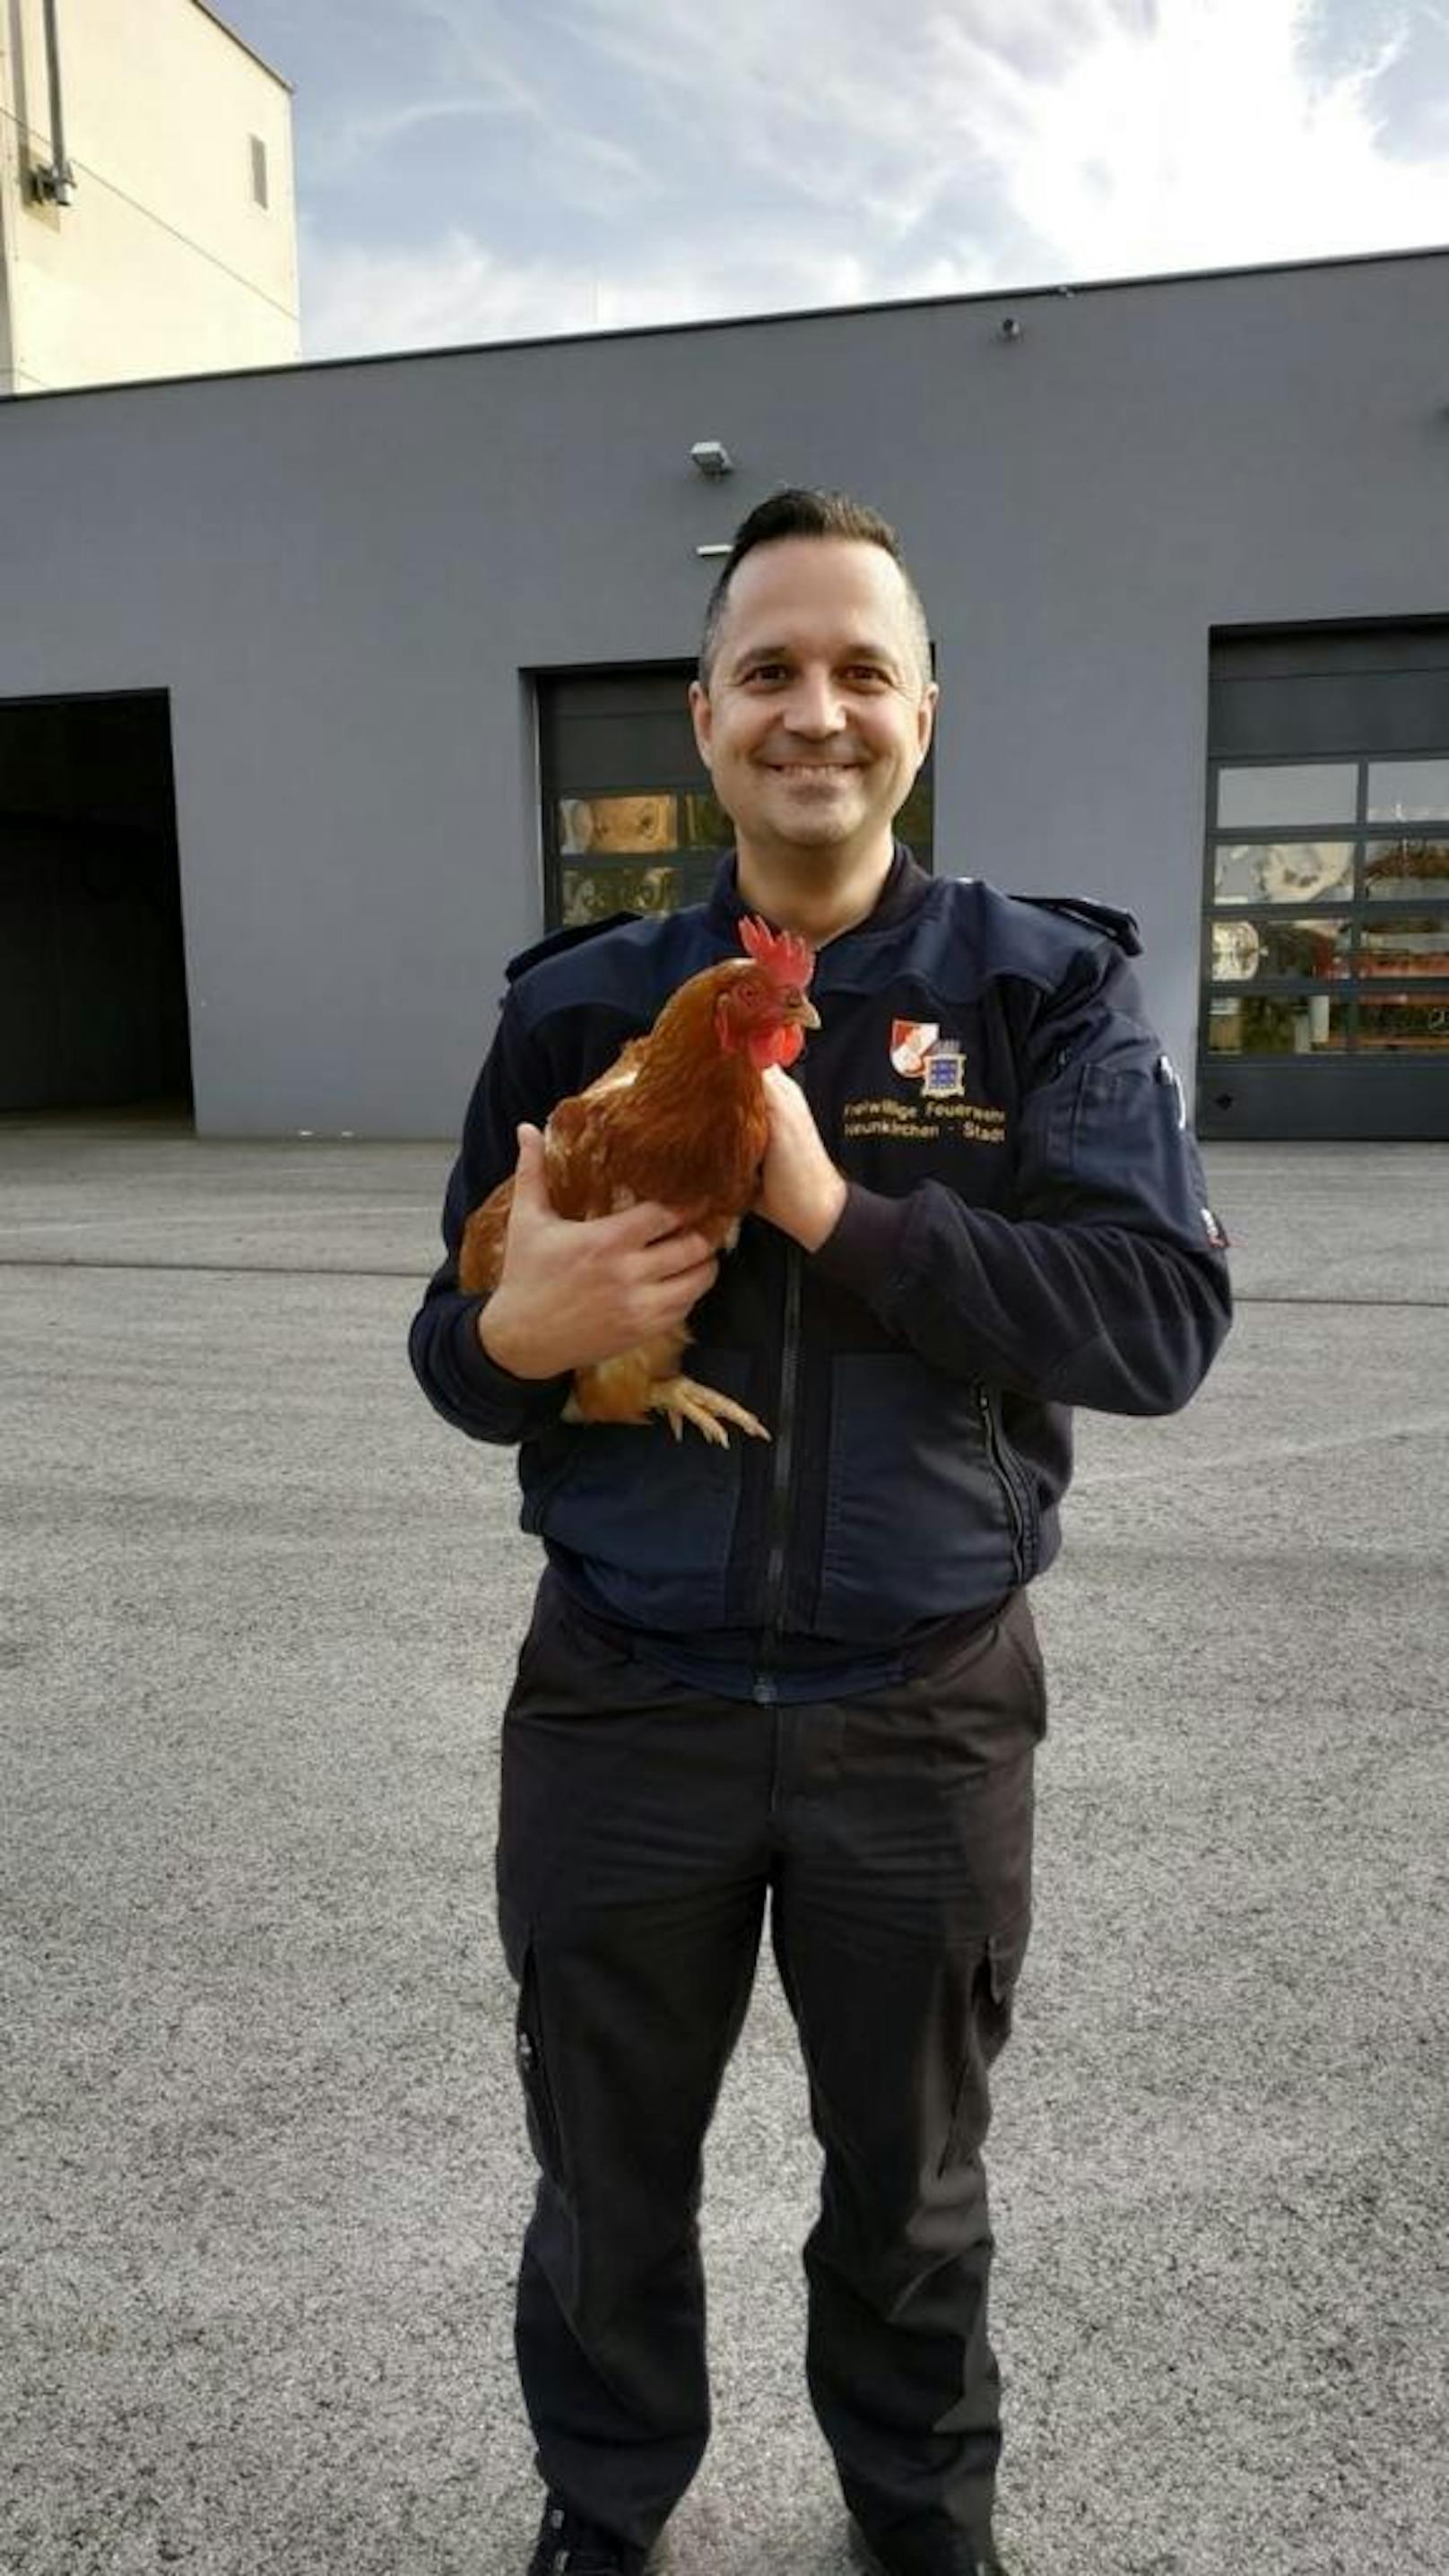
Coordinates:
(683, 1399)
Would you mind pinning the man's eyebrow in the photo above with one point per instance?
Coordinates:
(862, 650)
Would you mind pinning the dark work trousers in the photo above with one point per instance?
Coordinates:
(643, 1825)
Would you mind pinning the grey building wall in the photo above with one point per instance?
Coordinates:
(341, 573)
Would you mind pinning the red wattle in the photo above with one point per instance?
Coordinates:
(777, 1046)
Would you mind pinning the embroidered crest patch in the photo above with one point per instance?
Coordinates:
(921, 1054)
(911, 1043)
(943, 1075)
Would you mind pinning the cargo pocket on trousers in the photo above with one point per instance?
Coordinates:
(532, 2061)
(993, 1994)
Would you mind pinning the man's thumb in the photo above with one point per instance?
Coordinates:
(528, 1179)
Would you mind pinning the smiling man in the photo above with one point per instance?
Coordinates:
(813, 713)
(800, 1678)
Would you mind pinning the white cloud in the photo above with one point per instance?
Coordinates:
(833, 155)
(455, 292)
(1200, 138)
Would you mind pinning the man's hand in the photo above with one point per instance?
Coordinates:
(800, 1189)
(572, 1292)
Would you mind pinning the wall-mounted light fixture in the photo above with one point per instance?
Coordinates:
(711, 458)
(1008, 328)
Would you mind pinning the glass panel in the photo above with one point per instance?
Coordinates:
(1244, 948)
(1415, 943)
(607, 825)
(1283, 872)
(592, 893)
(706, 825)
(1391, 1020)
(1407, 791)
(1402, 871)
(1312, 1024)
(915, 822)
(1300, 792)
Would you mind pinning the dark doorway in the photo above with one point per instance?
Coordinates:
(92, 969)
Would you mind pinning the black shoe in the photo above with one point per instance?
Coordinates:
(962, 2563)
(570, 2546)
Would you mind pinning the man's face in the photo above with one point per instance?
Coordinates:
(817, 715)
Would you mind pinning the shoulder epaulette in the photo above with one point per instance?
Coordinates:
(1121, 926)
(558, 940)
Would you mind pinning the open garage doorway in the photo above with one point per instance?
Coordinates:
(93, 1009)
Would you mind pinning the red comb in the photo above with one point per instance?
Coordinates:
(784, 955)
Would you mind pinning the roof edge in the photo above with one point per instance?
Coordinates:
(217, 20)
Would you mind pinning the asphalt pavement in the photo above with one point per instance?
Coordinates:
(262, 2170)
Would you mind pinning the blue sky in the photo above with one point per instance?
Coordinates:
(475, 170)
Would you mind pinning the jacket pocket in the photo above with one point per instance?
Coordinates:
(919, 1520)
(993, 1994)
(650, 1519)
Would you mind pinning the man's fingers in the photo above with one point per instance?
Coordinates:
(650, 1222)
(668, 1301)
(671, 1253)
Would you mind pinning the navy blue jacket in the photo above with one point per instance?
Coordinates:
(1026, 1230)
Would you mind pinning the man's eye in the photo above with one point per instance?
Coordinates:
(769, 672)
(868, 675)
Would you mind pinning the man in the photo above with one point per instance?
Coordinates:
(806, 1670)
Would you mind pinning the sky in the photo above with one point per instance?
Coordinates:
(474, 170)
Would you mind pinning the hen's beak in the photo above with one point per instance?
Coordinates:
(805, 1016)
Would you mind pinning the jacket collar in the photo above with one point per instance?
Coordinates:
(905, 888)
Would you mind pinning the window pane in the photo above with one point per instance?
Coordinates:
(1244, 948)
(592, 893)
(1310, 1025)
(915, 822)
(1283, 872)
(1411, 944)
(1407, 791)
(609, 825)
(706, 824)
(1300, 792)
(1392, 1020)
(1402, 871)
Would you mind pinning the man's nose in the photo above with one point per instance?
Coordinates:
(815, 704)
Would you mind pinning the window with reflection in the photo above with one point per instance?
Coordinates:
(1262, 1024)
(1310, 930)
(1283, 872)
(1404, 871)
(1407, 791)
(1297, 792)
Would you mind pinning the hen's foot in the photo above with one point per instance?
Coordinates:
(683, 1399)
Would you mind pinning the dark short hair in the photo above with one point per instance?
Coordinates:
(798, 513)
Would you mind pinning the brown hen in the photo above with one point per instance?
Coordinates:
(680, 1117)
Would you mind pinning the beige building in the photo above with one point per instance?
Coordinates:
(146, 204)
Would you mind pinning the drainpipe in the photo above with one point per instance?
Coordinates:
(54, 180)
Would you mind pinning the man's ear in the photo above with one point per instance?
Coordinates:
(702, 714)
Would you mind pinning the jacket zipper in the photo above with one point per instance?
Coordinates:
(764, 1686)
(998, 1460)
